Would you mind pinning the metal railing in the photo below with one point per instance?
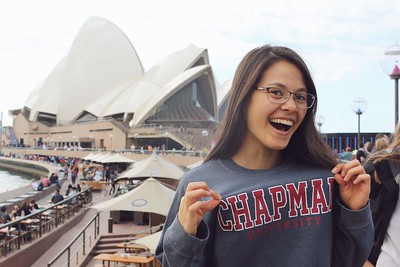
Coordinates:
(19, 235)
(72, 250)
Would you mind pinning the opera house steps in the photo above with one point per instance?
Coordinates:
(108, 244)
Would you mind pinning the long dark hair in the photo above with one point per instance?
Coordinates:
(392, 153)
(306, 143)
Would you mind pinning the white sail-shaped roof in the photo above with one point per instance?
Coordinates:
(152, 83)
(170, 89)
(223, 92)
(102, 75)
(32, 98)
(101, 59)
(49, 96)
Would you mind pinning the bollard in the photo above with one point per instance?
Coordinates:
(110, 225)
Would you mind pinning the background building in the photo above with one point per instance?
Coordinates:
(99, 96)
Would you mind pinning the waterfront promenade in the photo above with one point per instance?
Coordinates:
(62, 240)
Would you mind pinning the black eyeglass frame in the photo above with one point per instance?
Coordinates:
(267, 89)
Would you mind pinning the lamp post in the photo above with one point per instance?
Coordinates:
(320, 121)
(390, 65)
(359, 105)
(136, 135)
(91, 141)
(204, 133)
(111, 138)
(166, 137)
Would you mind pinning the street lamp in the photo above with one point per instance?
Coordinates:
(166, 137)
(136, 135)
(320, 121)
(204, 133)
(359, 105)
(390, 65)
(111, 138)
(91, 141)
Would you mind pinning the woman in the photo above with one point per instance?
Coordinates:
(15, 212)
(265, 195)
(386, 214)
(33, 205)
(25, 210)
(380, 144)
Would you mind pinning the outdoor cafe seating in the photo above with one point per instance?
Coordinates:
(25, 229)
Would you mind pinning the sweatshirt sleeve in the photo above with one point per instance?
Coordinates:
(176, 247)
(183, 249)
(353, 236)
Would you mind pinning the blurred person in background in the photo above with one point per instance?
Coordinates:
(386, 214)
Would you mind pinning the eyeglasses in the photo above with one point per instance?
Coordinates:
(281, 95)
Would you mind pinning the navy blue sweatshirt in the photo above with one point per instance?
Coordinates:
(286, 216)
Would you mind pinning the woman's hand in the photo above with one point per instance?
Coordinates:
(192, 209)
(354, 184)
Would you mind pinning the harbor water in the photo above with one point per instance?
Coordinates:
(10, 180)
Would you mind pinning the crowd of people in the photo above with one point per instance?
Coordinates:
(16, 213)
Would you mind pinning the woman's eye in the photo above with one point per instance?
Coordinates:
(276, 92)
(301, 97)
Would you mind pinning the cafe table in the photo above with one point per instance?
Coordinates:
(132, 247)
(57, 210)
(31, 225)
(7, 230)
(47, 219)
(141, 261)
(7, 237)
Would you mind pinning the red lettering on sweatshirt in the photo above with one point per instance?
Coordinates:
(242, 211)
(271, 205)
(262, 215)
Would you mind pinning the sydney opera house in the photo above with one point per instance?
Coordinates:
(100, 97)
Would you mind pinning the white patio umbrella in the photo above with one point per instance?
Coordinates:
(89, 156)
(116, 158)
(155, 167)
(150, 241)
(99, 157)
(151, 196)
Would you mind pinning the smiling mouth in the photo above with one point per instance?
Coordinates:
(281, 125)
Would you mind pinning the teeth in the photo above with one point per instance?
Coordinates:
(286, 122)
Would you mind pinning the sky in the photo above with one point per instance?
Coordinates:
(342, 42)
